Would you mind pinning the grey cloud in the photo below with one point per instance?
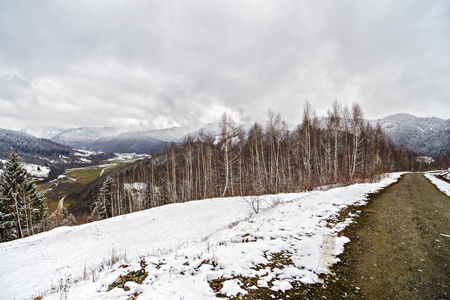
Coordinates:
(158, 63)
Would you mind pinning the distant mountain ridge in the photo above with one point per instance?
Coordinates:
(28, 145)
(130, 142)
(113, 140)
(84, 136)
(44, 151)
(428, 136)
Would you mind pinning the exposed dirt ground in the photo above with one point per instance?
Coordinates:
(399, 249)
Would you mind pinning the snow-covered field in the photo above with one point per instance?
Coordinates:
(86, 153)
(36, 171)
(440, 184)
(127, 157)
(184, 246)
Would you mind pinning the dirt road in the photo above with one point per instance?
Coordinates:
(400, 246)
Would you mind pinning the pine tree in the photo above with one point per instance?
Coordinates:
(21, 206)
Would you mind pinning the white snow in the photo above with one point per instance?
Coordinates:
(425, 159)
(139, 186)
(82, 152)
(232, 288)
(127, 157)
(36, 171)
(184, 246)
(440, 184)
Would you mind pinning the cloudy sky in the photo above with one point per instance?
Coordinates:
(163, 63)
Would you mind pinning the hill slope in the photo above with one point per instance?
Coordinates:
(428, 136)
(185, 246)
(30, 148)
(43, 151)
(116, 140)
(130, 142)
(83, 137)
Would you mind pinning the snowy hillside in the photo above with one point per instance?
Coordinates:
(45, 132)
(148, 141)
(39, 154)
(423, 135)
(83, 137)
(122, 140)
(36, 171)
(185, 246)
(29, 147)
(136, 142)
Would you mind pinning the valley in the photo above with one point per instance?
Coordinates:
(72, 182)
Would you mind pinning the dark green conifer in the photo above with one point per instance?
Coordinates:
(102, 208)
(21, 206)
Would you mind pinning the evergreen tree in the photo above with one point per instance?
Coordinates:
(102, 208)
(21, 206)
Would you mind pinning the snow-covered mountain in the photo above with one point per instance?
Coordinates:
(45, 133)
(129, 142)
(28, 146)
(113, 139)
(423, 135)
(43, 151)
(428, 136)
(150, 141)
(83, 137)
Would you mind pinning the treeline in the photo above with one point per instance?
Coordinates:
(341, 148)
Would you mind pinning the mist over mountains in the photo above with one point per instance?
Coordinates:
(428, 136)
(83, 137)
(141, 141)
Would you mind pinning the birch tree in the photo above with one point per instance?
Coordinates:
(226, 133)
(357, 119)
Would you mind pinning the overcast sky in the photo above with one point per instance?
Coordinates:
(167, 63)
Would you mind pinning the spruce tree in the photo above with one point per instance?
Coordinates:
(21, 206)
(102, 208)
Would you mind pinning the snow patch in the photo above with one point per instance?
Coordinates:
(81, 152)
(440, 184)
(232, 288)
(128, 157)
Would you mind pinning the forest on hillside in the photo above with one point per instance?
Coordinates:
(28, 146)
(340, 149)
